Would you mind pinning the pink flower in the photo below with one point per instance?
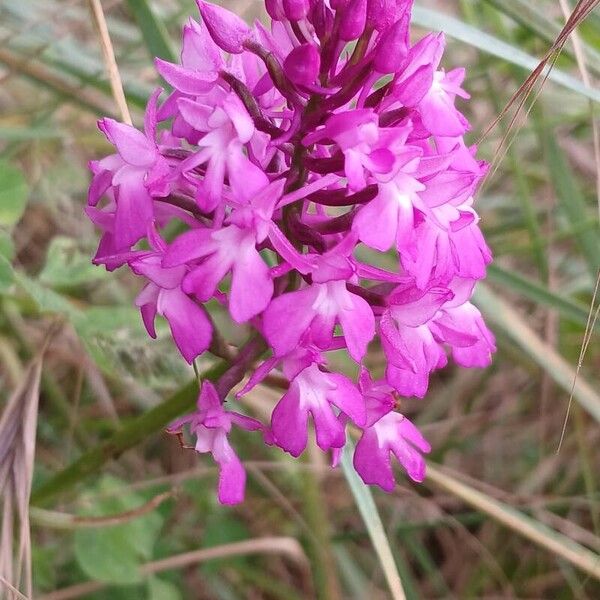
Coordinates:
(314, 392)
(285, 165)
(211, 424)
(392, 434)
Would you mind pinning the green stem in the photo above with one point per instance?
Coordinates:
(131, 434)
(319, 544)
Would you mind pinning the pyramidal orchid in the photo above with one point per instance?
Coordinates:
(272, 179)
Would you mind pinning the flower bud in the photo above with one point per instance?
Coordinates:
(296, 9)
(227, 30)
(392, 47)
(354, 19)
(382, 14)
(302, 65)
(321, 18)
(275, 9)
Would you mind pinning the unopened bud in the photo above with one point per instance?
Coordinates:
(354, 19)
(227, 30)
(392, 49)
(302, 65)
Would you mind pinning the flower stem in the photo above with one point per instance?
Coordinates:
(130, 435)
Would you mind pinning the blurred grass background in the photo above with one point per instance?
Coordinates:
(502, 513)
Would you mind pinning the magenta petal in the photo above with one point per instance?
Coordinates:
(199, 52)
(132, 145)
(358, 325)
(189, 246)
(147, 301)
(372, 462)
(289, 423)
(328, 428)
(203, 280)
(287, 318)
(347, 398)
(185, 80)
(189, 324)
(302, 64)
(134, 211)
(232, 476)
(377, 222)
(407, 447)
(251, 285)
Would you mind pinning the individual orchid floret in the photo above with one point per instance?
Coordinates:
(189, 323)
(136, 174)
(392, 434)
(302, 65)
(210, 425)
(315, 392)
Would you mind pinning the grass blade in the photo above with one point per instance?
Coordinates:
(370, 515)
(496, 47)
(540, 534)
(526, 14)
(538, 293)
(498, 312)
(570, 198)
(153, 30)
(128, 436)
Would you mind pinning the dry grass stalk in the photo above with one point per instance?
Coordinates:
(536, 79)
(116, 85)
(17, 449)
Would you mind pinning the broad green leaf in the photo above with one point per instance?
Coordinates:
(45, 299)
(13, 194)
(496, 47)
(67, 266)
(113, 554)
(7, 248)
(160, 589)
(223, 528)
(153, 30)
(370, 516)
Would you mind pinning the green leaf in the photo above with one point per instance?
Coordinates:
(569, 309)
(13, 194)
(7, 251)
(370, 516)
(571, 200)
(153, 30)
(45, 299)
(67, 266)
(221, 529)
(113, 554)
(160, 589)
(492, 45)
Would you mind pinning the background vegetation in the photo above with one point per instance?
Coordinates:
(505, 511)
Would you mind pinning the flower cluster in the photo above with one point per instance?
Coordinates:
(293, 165)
